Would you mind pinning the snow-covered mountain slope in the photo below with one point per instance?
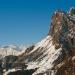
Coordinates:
(42, 56)
(55, 54)
(11, 50)
(48, 54)
(53, 51)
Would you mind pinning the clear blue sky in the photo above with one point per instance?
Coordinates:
(27, 21)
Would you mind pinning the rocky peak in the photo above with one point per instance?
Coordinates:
(62, 28)
(55, 22)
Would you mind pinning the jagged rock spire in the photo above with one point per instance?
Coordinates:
(55, 23)
(57, 19)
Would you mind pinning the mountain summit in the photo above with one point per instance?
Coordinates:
(55, 54)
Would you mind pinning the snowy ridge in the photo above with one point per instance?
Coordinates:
(41, 44)
(8, 51)
(49, 56)
(11, 50)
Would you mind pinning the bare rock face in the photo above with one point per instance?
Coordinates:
(63, 29)
(63, 33)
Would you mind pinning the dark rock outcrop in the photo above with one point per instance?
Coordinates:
(22, 72)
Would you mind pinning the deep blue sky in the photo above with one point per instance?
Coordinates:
(27, 21)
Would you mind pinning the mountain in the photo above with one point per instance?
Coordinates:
(11, 50)
(55, 54)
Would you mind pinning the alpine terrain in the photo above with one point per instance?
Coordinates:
(54, 55)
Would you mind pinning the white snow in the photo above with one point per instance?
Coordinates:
(7, 72)
(11, 70)
(32, 65)
(12, 50)
(8, 51)
(41, 44)
(46, 62)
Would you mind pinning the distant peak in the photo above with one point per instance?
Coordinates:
(72, 11)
